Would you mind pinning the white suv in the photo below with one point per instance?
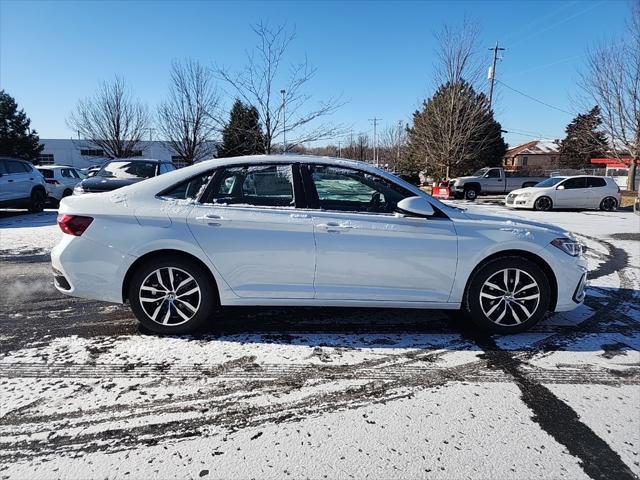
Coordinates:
(61, 180)
(21, 185)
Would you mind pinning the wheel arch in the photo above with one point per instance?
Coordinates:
(473, 186)
(39, 188)
(539, 261)
(163, 254)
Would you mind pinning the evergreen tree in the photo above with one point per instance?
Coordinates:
(455, 132)
(242, 135)
(584, 140)
(16, 139)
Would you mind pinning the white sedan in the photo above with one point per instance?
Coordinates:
(581, 191)
(61, 180)
(289, 230)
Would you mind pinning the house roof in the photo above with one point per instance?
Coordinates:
(536, 147)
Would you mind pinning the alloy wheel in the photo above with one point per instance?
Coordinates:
(170, 296)
(543, 203)
(509, 297)
(609, 204)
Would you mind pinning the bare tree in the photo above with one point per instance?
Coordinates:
(261, 84)
(393, 143)
(189, 119)
(112, 120)
(612, 80)
(455, 131)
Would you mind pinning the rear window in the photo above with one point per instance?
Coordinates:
(125, 170)
(46, 173)
(259, 185)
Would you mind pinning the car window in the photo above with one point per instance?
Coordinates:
(189, 189)
(46, 173)
(572, 183)
(260, 185)
(3, 167)
(349, 190)
(493, 173)
(16, 167)
(66, 173)
(594, 182)
(128, 169)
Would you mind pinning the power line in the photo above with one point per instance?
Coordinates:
(529, 134)
(535, 99)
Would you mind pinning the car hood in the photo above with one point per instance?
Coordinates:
(102, 184)
(507, 222)
(523, 190)
(464, 179)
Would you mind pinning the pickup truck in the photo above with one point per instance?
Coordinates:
(489, 180)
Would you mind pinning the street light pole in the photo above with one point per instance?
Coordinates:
(284, 122)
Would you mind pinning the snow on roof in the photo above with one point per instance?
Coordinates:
(536, 147)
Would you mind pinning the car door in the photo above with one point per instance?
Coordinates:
(249, 227)
(597, 190)
(572, 193)
(368, 252)
(492, 181)
(20, 179)
(4, 182)
(69, 177)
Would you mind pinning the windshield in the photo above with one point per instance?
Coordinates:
(481, 172)
(549, 182)
(124, 170)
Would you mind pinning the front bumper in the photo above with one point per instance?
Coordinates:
(571, 277)
(516, 201)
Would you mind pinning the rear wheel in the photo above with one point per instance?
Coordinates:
(608, 204)
(37, 201)
(66, 193)
(543, 203)
(172, 295)
(507, 295)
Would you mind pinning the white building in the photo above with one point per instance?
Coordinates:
(81, 154)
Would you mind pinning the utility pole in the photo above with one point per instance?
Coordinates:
(492, 71)
(375, 139)
(339, 149)
(400, 123)
(284, 122)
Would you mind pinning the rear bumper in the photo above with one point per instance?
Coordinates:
(87, 269)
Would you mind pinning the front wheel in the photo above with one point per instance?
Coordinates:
(37, 201)
(471, 194)
(507, 295)
(543, 203)
(609, 204)
(172, 296)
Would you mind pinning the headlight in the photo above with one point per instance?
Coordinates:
(568, 245)
(78, 190)
(524, 195)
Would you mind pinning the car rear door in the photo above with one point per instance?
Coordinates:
(573, 195)
(249, 227)
(20, 179)
(597, 190)
(367, 252)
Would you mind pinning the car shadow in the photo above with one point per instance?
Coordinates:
(23, 218)
(588, 328)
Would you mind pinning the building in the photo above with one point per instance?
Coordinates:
(535, 155)
(81, 154)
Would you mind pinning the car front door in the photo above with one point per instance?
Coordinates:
(367, 252)
(572, 193)
(249, 227)
(20, 179)
(492, 181)
(5, 194)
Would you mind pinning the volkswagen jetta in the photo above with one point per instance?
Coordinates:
(300, 230)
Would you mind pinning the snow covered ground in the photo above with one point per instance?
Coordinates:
(323, 393)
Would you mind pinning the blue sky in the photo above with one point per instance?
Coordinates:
(378, 55)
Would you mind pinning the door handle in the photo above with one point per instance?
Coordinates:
(9, 181)
(300, 215)
(210, 219)
(334, 226)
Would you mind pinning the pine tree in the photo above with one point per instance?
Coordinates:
(455, 132)
(16, 138)
(584, 140)
(242, 135)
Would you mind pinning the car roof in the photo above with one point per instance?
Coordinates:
(288, 158)
(55, 166)
(4, 157)
(148, 160)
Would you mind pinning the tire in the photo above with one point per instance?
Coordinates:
(176, 311)
(609, 204)
(506, 314)
(37, 201)
(66, 193)
(458, 195)
(543, 204)
(471, 193)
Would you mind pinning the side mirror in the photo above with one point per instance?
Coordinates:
(416, 205)
(561, 187)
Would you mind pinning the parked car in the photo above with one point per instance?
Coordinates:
(302, 230)
(61, 180)
(578, 191)
(120, 173)
(91, 171)
(490, 181)
(21, 185)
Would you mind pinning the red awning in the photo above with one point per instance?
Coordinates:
(614, 162)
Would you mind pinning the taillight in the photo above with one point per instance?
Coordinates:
(73, 224)
(53, 182)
